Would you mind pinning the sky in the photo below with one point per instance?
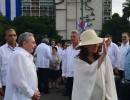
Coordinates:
(117, 6)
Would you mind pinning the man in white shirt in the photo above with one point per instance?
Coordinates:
(63, 56)
(22, 77)
(113, 51)
(68, 64)
(52, 45)
(5, 51)
(42, 63)
(122, 52)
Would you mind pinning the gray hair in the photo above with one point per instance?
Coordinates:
(9, 30)
(75, 32)
(45, 40)
(24, 37)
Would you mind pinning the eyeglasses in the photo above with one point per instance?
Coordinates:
(12, 35)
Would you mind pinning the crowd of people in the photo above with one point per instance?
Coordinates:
(91, 68)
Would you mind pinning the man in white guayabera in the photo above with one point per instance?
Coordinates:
(22, 77)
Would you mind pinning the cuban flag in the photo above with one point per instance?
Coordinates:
(10, 8)
(83, 26)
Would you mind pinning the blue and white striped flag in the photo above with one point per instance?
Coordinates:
(10, 8)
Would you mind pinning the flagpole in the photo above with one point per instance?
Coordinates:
(82, 13)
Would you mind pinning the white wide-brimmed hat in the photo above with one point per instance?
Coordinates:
(90, 37)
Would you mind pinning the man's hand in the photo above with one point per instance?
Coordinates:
(64, 79)
(1, 91)
(104, 53)
(116, 70)
(36, 95)
(106, 98)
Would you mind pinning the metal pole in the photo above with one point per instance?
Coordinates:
(66, 20)
(76, 14)
(82, 13)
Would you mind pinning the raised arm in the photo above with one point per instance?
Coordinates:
(101, 58)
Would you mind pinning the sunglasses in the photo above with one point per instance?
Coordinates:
(12, 35)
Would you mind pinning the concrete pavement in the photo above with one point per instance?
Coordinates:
(55, 94)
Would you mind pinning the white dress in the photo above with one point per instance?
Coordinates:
(93, 83)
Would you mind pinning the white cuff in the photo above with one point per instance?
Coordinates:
(31, 93)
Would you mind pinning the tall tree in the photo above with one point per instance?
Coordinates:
(115, 27)
(41, 27)
(126, 9)
(4, 25)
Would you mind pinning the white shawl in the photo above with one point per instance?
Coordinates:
(93, 83)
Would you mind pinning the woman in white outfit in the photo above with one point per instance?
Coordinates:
(93, 74)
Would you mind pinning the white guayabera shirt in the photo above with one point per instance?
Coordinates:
(122, 54)
(68, 64)
(21, 78)
(43, 55)
(113, 51)
(93, 83)
(5, 52)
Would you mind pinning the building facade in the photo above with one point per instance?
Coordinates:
(10, 8)
(69, 13)
(106, 10)
(38, 8)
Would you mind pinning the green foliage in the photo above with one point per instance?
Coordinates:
(126, 9)
(4, 24)
(40, 27)
(115, 27)
(115, 15)
(55, 36)
(24, 23)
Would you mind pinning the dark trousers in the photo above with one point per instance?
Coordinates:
(4, 87)
(124, 90)
(121, 73)
(4, 92)
(43, 76)
(69, 86)
(117, 83)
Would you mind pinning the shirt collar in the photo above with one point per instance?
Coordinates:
(72, 46)
(10, 46)
(23, 50)
(111, 43)
(122, 44)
